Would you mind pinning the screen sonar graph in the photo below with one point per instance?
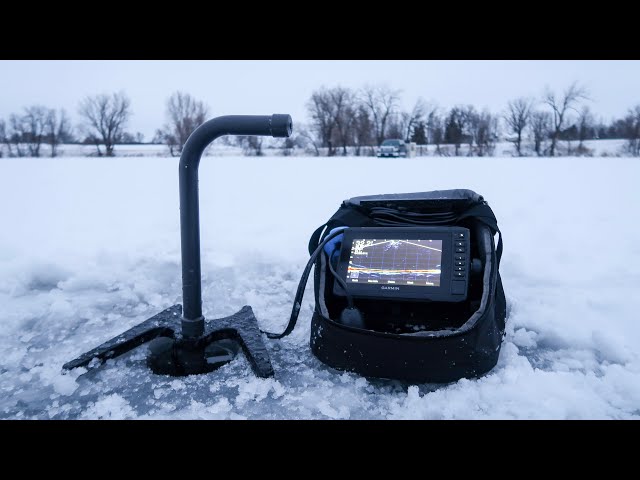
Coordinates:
(395, 262)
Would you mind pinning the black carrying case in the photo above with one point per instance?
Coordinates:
(454, 341)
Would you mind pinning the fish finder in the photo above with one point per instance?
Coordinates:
(412, 263)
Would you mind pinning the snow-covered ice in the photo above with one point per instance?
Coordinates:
(89, 247)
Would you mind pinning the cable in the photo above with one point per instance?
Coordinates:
(391, 216)
(341, 281)
(383, 216)
(297, 302)
(350, 316)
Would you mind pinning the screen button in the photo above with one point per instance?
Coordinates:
(459, 244)
(459, 235)
(459, 269)
(460, 250)
(459, 263)
(458, 274)
(460, 257)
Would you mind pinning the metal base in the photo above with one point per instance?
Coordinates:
(172, 354)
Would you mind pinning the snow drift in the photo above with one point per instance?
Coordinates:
(90, 247)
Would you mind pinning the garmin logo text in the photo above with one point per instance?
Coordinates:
(383, 287)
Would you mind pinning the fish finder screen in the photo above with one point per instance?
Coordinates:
(395, 262)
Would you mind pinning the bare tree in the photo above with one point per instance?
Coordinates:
(436, 130)
(631, 130)
(585, 127)
(15, 135)
(19, 135)
(35, 122)
(343, 101)
(484, 131)
(105, 117)
(432, 112)
(540, 127)
(431, 121)
(560, 105)
(333, 116)
(321, 110)
(395, 126)
(305, 137)
(57, 129)
(362, 128)
(28, 130)
(469, 122)
(184, 114)
(472, 128)
(412, 118)
(517, 117)
(251, 145)
(3, 136)
(382, 103)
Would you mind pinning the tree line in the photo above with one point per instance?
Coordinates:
(104, 118)
(362, 118)
(340, 121)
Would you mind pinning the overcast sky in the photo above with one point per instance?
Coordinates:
(266, 86)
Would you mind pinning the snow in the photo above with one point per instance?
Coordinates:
(90, 247)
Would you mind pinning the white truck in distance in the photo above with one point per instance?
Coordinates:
(394, 147)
